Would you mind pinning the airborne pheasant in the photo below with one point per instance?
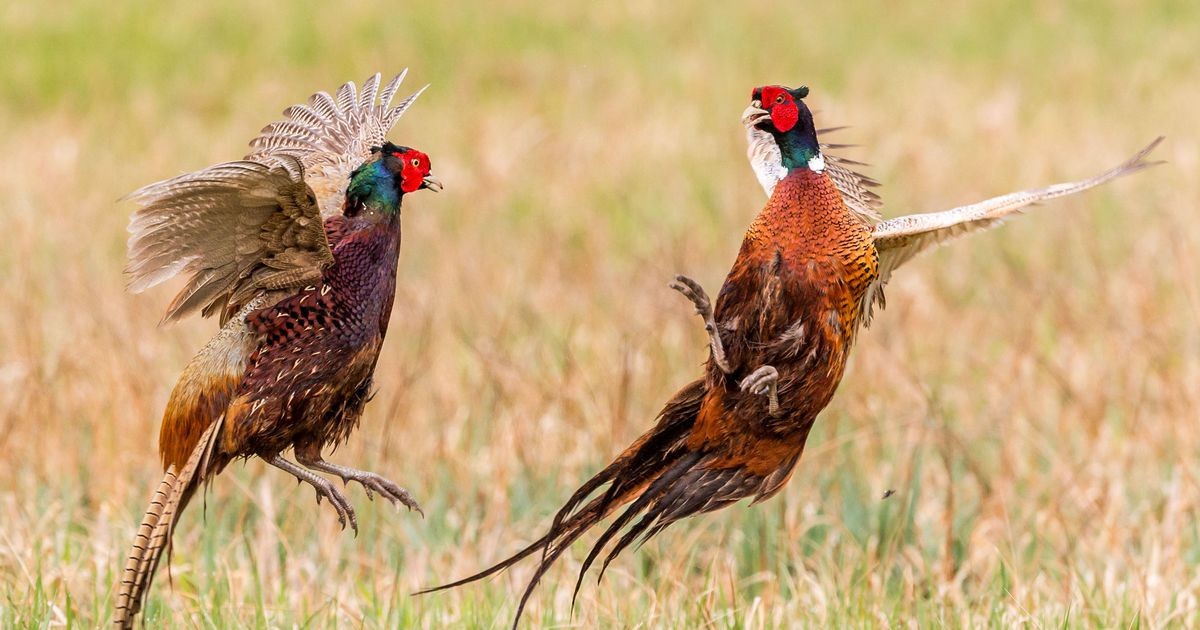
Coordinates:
(811, 266)
(295, 248)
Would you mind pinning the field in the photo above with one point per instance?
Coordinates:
(1030, 395)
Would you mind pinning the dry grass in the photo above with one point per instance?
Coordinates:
(1029, 394)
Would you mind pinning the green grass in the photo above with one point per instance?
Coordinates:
(1029, 394)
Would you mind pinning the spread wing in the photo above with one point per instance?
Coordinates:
(239, 228)
(233, 228)
(898, 240)
(333, 135)
(855, 187)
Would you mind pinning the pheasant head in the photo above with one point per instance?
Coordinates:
(381, 182)
(781, 112)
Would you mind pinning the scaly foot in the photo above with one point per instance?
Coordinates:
(694, 292)
(325, 489)
(764, 380)
(370, 481)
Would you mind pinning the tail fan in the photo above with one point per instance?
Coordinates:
(660, 478)
(154, 534)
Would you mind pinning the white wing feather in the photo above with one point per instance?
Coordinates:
(898, 240)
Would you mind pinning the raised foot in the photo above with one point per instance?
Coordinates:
(340, 503)
(370, 481)
(699, 298)
(764, 381)
(385, 487)
(694, 292)
(325, 490)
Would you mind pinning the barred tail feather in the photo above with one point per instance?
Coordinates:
(141, 542)
(154, 534)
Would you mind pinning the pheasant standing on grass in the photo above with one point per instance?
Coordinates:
(295, 247)
(809, 269)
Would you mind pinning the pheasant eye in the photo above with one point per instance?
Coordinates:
(779, 100)
(416, 162)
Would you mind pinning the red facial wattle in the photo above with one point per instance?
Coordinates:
(412, 173)
(784, 111)
(785, 116)
(410, 181)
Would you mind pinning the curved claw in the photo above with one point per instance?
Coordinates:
(324, 490)
(372, 483)
(341, 505)
(694, 292)
(699, 298)
(388, 490)
(764, 382)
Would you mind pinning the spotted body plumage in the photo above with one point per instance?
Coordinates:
(308, 380)
(811, 266)
(780, 333)
(791, 301)
(296, 247)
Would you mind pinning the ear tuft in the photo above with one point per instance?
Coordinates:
(800, 92)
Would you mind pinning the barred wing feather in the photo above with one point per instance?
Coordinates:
(240, 228)
(898, 240)
(233, 229)
(333, 135)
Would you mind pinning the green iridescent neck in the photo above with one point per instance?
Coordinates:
(798, 147)
(372, 187)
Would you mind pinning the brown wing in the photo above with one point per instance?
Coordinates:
(899, 240)
(234, 229)
(333, 135)
(239, 228)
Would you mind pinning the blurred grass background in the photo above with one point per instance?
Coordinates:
(1030, 394)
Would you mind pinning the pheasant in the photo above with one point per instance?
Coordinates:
(810, 268)
(295, 249)
(900, 239)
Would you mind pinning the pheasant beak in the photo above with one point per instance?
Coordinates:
(755, 114)
(432, 183)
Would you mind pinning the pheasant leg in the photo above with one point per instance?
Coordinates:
(694, 292)
(325, 489)
(764, 381)
(371, 482)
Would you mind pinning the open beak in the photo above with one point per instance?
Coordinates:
(754, 114)
(432, 183)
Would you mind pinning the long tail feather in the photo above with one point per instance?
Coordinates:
(154, 534)
(660, 478)
(141, 543)
(581, 522)
(623, 475)
(653, 492)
